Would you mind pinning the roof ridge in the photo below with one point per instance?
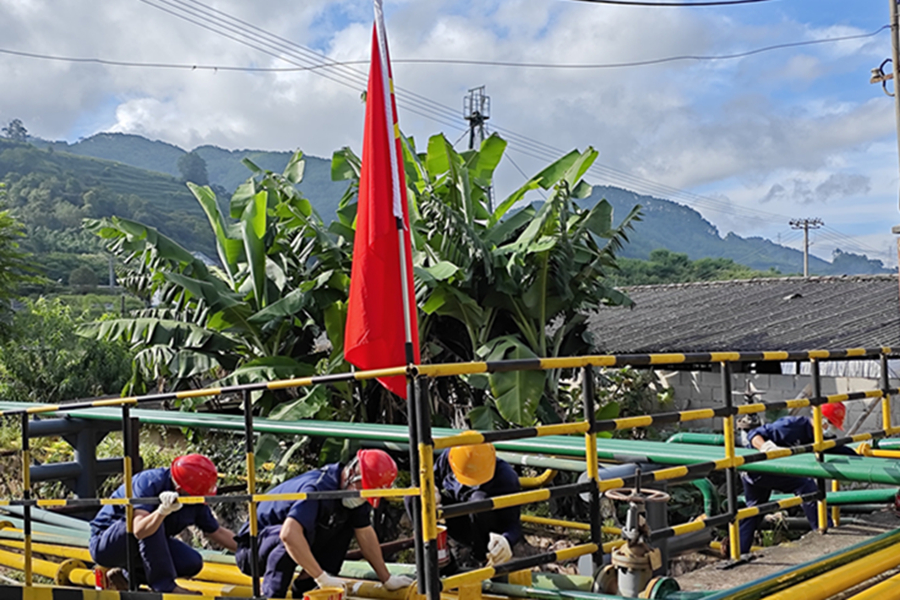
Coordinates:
(755, 280)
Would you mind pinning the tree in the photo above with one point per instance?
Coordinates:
(282, 284)
(45, 360)
(83, 276)
(193, 169)
(16, 131)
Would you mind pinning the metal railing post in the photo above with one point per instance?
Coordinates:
(731, 475)
(26, 494)
(885, 394)
(251, 489)
(412, 413)
(593, 468)
(818, 437)
(131, 550)
(430, 573)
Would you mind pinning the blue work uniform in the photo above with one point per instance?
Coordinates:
(758, 487)
(327, 524)
(163, 558)
(474, 530)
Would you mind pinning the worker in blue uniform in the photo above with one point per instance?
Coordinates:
(315, 534)
(162, 556)
(784, 433)
(470, 473)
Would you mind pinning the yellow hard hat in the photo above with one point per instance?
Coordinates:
(473, 465)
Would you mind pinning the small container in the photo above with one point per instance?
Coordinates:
(443, 551)
(326, 593)
(100, 580)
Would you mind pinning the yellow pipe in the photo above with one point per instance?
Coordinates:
(539, 481)
(483, 574)
(842, 578)
(567, 524)
(886, 412)
(886, 590)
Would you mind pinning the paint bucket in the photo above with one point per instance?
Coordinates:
(325, 593)
(443, 550)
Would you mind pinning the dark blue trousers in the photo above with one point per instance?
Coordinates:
(278, 567)
(162, 558)
(758, 489)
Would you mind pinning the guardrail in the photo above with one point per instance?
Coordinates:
(423, 445)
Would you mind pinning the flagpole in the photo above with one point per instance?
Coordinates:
(419, 418)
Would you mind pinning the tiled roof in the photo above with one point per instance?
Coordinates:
(789, 313)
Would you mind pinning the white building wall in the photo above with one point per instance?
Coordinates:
(703, 389)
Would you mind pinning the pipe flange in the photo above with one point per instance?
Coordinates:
(660, 587)
(6, 525)
(625, 558)
(65, 569)
(606, 581)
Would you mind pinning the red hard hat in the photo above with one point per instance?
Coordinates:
(377, 469)
(835, 413)
(195, 474)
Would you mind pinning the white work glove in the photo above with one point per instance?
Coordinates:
(769, 445)
(398, 582)
(168, 503)
(325, 580)
(498, 549)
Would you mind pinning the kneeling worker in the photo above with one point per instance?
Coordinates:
(784, 433)
(162, 557)
(315, 534)
(470, 473)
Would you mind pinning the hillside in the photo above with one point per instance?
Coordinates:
(681, 229)
(665, 224)
(223, 166)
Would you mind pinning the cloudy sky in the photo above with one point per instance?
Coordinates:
(750, 142)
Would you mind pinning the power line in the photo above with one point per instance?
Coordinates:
(448, 61)
(408, 100)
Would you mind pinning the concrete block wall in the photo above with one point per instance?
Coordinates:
(703, 389)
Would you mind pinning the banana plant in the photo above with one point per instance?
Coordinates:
(509, 281)
(258, 317)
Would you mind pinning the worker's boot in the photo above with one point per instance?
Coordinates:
(117, 579)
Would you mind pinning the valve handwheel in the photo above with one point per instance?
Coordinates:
(635, 495)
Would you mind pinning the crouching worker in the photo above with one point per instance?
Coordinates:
(162, 557)
(471, 473)
(315, 534)
(784, 433)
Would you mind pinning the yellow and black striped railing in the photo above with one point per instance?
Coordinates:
(229, 499)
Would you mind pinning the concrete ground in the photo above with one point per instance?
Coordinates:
(778, 558)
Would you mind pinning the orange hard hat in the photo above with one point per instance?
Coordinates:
(835, 413)
(377, 470)
(195, 474)
(473, 465)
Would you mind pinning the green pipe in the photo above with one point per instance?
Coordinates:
(711, 501)
(514, 458)
(853, 496)
(46, 538)
(521, 591)
(689, 437)
(45, 528)
(52, 518)
(766, 586)
(864, 469)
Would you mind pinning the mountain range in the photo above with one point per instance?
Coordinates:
(665, 224)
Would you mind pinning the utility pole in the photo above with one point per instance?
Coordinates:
(806, 225)
(476, 110)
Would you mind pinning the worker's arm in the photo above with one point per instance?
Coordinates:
(297, 547)
(757, 441)
(371, 551)
(147, 523)
(223, 537)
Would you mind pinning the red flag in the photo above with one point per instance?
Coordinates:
(376, 334)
